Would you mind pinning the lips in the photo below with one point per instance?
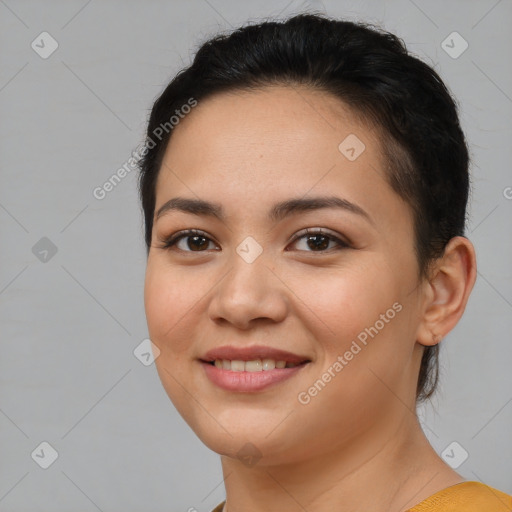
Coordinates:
(252, 353)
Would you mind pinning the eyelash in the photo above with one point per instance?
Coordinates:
(171, 241)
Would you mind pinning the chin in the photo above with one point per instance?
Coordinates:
(251, 444)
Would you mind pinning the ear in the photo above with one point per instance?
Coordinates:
(447, 291)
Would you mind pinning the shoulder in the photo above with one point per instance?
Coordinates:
(466, 496)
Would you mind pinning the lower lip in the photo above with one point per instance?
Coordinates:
(248, 381)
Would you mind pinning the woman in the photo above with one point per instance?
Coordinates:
(304, 186)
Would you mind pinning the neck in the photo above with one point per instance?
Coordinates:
(391, 467)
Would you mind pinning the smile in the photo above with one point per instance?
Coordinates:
(250, 376)
(255, 365)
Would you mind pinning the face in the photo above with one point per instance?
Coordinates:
(345, 299)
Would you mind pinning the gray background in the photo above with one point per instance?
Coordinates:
(71, 321)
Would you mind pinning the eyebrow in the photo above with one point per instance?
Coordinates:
(278, 212)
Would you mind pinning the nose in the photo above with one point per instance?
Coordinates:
(249, 292)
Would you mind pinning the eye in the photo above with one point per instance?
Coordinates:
(318, 240)
(197, 241)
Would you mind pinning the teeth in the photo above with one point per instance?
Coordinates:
(252, 366)
(237, 366)
(269, 364)
(256, 365)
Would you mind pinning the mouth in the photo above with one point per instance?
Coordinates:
(255, 358)
(253, 375)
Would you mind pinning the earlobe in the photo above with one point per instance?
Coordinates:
(448, 291)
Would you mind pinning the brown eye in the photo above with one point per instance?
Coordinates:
(196, 242)
(319, 241)
(188, 241)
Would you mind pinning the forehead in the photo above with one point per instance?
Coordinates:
(243, 147)
(276, 118)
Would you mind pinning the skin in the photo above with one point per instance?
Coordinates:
(357, 443)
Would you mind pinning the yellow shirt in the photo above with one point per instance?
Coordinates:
(463, 497)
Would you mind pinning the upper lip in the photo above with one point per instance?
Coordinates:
(251, 353)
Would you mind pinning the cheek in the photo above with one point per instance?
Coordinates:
(168, 298)
(359, 316)
(167, 304)
(341, 302)
(367, 311)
